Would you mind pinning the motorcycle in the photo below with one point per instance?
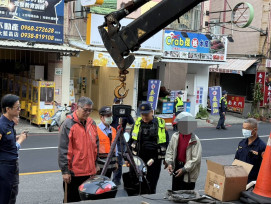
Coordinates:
(59, 117)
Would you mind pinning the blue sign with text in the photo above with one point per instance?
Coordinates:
(32, 20)
(153, 92)
(215, 95)
(193, 46)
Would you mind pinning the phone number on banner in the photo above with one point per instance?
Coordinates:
(37, 29)
(37, 36)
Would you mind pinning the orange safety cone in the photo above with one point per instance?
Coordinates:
(263, 184)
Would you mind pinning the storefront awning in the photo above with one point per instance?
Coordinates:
(234, 66)
(65, 49)
(83, 45)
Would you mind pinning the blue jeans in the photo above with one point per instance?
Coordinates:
(117, 174)
(9, 180)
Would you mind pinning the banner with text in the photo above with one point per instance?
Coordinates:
(153, 92)
(215, 95)
(195, 46)
(32, 20)
(104, 59)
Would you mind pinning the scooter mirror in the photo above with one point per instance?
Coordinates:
(126, 136)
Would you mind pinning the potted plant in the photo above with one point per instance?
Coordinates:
(249, 115)
(203, 113)
(257, 96)
(256, 116)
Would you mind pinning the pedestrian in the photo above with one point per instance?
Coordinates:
(120, 144)
(77, 150)
(149, 141)
(222, 111)
(9, 167)
(251, 148)
(183, 156)
(178, 107)
(107, 135)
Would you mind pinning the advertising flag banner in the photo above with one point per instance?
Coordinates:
(215, 95)
(153, 92)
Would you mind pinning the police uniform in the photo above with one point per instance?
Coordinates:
(251, 154)
(9, 170)
(178, 104)
(149, 141)
(222, 109)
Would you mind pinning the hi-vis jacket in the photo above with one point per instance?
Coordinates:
(78, 145)
(179, 104)
(162, 139)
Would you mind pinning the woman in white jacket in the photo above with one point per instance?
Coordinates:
(183, 155)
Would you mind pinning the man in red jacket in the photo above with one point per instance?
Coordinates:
(77, 150)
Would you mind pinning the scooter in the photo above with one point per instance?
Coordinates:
(59, 117)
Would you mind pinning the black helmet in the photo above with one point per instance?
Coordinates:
(97, 187)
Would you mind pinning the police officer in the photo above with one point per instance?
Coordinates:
(251, 148)
(178, 103)
(149, 141)
(222, 111)
(9, 168)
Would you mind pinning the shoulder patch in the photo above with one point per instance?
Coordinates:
(8, 133)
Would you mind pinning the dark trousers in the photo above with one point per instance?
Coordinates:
(178, 182)
(153, 173)
(221, 121)
(8, 176)
(72, 191)
(15, 186)
(118, 173)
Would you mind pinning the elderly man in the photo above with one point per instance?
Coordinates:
(9, 168)
(77, 150)
(149, 141)
(251, 148)
(183, 155)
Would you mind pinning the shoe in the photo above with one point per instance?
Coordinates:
(118, 183)
(224, 128)
(218, 128)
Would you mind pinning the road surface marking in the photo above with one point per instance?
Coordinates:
(39, 172)
(228, 138)
(38, 148)
(208, 139)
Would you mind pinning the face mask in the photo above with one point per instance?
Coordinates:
(247, 133)
(108, 120)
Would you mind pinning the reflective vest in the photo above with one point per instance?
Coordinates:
(104, 141)
(179, 103)
(162, 138)
(223, 98)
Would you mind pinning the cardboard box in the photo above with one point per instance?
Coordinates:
(226, 182)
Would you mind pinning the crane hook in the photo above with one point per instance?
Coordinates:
(117, 91)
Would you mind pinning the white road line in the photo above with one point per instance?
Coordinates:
(211, 139)
(38, 148)
(228, 138)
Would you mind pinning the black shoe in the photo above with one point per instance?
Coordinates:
(224, 128)
(218, 128)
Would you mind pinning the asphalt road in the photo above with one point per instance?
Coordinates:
(40, 183)
(39, 152)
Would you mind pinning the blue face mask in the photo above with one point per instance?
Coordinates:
(247, 133)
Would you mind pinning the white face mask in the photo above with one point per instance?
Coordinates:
(108, 120)
(247, 133)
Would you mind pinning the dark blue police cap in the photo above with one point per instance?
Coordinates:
(145, 108)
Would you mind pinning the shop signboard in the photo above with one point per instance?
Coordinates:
(104, 59)
(153, 92)
(214, 95)
(32, 20)
(236, 103)
(260, 78)
(194, 47)
(94, 38)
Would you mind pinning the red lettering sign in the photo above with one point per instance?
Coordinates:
(236, 103)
